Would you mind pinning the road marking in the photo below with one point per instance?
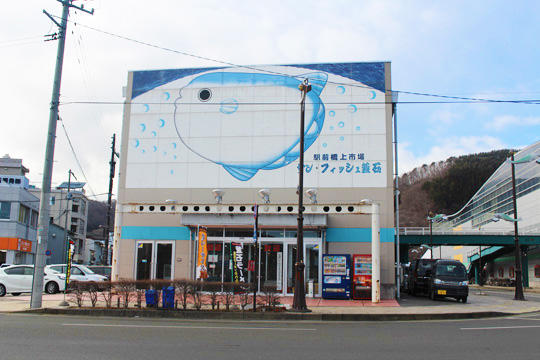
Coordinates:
(192, 327)
(524, 318)
(502, 327)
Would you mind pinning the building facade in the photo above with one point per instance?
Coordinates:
(495, 197)
(69, 210)
(18, 213)
(201, 147)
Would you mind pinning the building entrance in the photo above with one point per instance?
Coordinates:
(154, 260)
(276, 262)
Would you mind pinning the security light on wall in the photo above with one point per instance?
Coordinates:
(218, 194)
(312, 193)
(265, 195)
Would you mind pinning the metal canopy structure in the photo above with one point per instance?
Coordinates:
(468, 239)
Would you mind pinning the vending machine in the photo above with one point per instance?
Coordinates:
(361, 281)
(336, 277)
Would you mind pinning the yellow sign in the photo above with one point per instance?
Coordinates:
(202, 272)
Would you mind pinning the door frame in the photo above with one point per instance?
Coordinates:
(154, 256)
(284, 241)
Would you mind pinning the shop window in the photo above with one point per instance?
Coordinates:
(537, 271)
(215, 261)
(501, 272)
(5, 209)
(245, 233)
(215, 232)
(272, 233)
(511, 272)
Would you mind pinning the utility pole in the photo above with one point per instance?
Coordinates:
(44, 206)
(299, 301)
(107, 230)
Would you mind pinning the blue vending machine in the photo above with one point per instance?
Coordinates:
(336, 277)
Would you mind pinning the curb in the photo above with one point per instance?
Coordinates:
(204, 315)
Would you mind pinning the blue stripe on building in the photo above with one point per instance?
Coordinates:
(357, 235)
(155, 232)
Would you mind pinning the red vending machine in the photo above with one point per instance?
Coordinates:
(361, 279)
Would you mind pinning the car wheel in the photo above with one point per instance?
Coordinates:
(51, 287)
(2, 290)
(15, 294)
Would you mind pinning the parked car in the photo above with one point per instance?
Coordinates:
(17, 279)
(449, 278)
(78, 272)
(101, 270)
(420, 275)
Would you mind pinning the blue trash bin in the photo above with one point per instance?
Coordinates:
(151, 298)
(168, 297)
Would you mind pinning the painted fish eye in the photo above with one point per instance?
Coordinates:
(205, 94)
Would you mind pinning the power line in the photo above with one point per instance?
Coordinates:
(282, 74)
(479, 101)
(75, 155)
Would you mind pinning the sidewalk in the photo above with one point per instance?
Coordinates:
(408, 308)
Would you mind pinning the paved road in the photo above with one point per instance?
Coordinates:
(476, 297)
(72, 337)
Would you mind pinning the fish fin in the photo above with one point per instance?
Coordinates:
(316, 79)
(241, 173)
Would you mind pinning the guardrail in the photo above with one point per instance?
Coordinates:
(425, 231)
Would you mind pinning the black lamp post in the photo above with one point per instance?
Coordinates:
(518, 295)
(299, 301)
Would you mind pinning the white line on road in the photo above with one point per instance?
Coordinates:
(191, 327)
(502, 327)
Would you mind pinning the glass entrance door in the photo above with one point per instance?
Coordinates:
(291, 260)
(154, 260)
(271, 265)
(164, 261)
(144, 261)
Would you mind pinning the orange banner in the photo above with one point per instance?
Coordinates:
(15, 244)
(202, 272)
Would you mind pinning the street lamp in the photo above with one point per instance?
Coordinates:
(518, 295)
(431, 218)
(299, 301)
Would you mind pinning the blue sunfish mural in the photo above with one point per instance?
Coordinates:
(248, 122)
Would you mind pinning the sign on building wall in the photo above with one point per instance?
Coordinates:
(239, 127)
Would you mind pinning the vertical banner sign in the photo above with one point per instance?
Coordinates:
(237, 256)
(68, 267)
(202, 272)
(255, 214)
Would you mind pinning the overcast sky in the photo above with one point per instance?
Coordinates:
(486, 49)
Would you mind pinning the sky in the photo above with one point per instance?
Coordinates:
(479, 49)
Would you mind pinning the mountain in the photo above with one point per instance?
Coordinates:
(444, 187)
(97, 215)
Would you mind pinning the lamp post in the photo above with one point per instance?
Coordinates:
(299, 301)
(431, 218)
(517, 254)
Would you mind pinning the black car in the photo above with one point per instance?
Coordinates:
(420, 276)
(449, 278)
(101, 270)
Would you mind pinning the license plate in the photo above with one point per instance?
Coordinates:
(441, 292)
